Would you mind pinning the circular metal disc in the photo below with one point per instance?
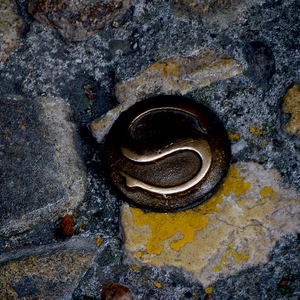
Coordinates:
(167, 153)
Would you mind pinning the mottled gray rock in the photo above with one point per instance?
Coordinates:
(42, 175)
(11, 27)
(261, 63)
(45, 272)
(77, 20)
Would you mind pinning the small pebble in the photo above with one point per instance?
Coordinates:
(283, 282)
(115, 24)
(115, 291)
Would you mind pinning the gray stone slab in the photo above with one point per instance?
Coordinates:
(41, 172)
(45, 272)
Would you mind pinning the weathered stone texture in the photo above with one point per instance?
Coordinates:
(221, 13)
(175, 75)
(44, 276)
(11, 26)
(261, 63)
(180, 74)
(77, 20)
(234, 230)
(291, 105)
(42, 175)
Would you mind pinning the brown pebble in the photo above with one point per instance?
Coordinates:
(283, 282)
(115, 291)
(67, 225)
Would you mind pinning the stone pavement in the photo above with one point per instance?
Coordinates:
(68, 70)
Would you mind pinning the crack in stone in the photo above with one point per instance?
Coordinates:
(244, 227)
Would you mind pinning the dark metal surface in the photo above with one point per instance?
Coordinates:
(167, 153)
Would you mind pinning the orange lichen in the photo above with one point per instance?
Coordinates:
(67, 225)
(165, 226)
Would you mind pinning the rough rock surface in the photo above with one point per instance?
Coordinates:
(179, 75)
(291, 105)
(234, 230)
(77, 20)
(11, 28)
(221, 13)
(169, 77)
(42, 176)
(45, 274)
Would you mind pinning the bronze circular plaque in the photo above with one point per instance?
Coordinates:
(167, 153)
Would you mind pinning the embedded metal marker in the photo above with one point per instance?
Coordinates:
(201, 147)
(167, 153)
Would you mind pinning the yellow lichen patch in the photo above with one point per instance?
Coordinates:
(157, 284)
(134, 267)
(99, 241)
(167, 69)
(209, 291)
(291, 105)
(170, 69)
(238, 257)
(139, 254)
(182, 74)
(23, 127)
(255, 131)
(246, 217)
(165, 226)
(233, 136)
(233, 183)
(264, 143)
(268, 192)
(261, 201)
